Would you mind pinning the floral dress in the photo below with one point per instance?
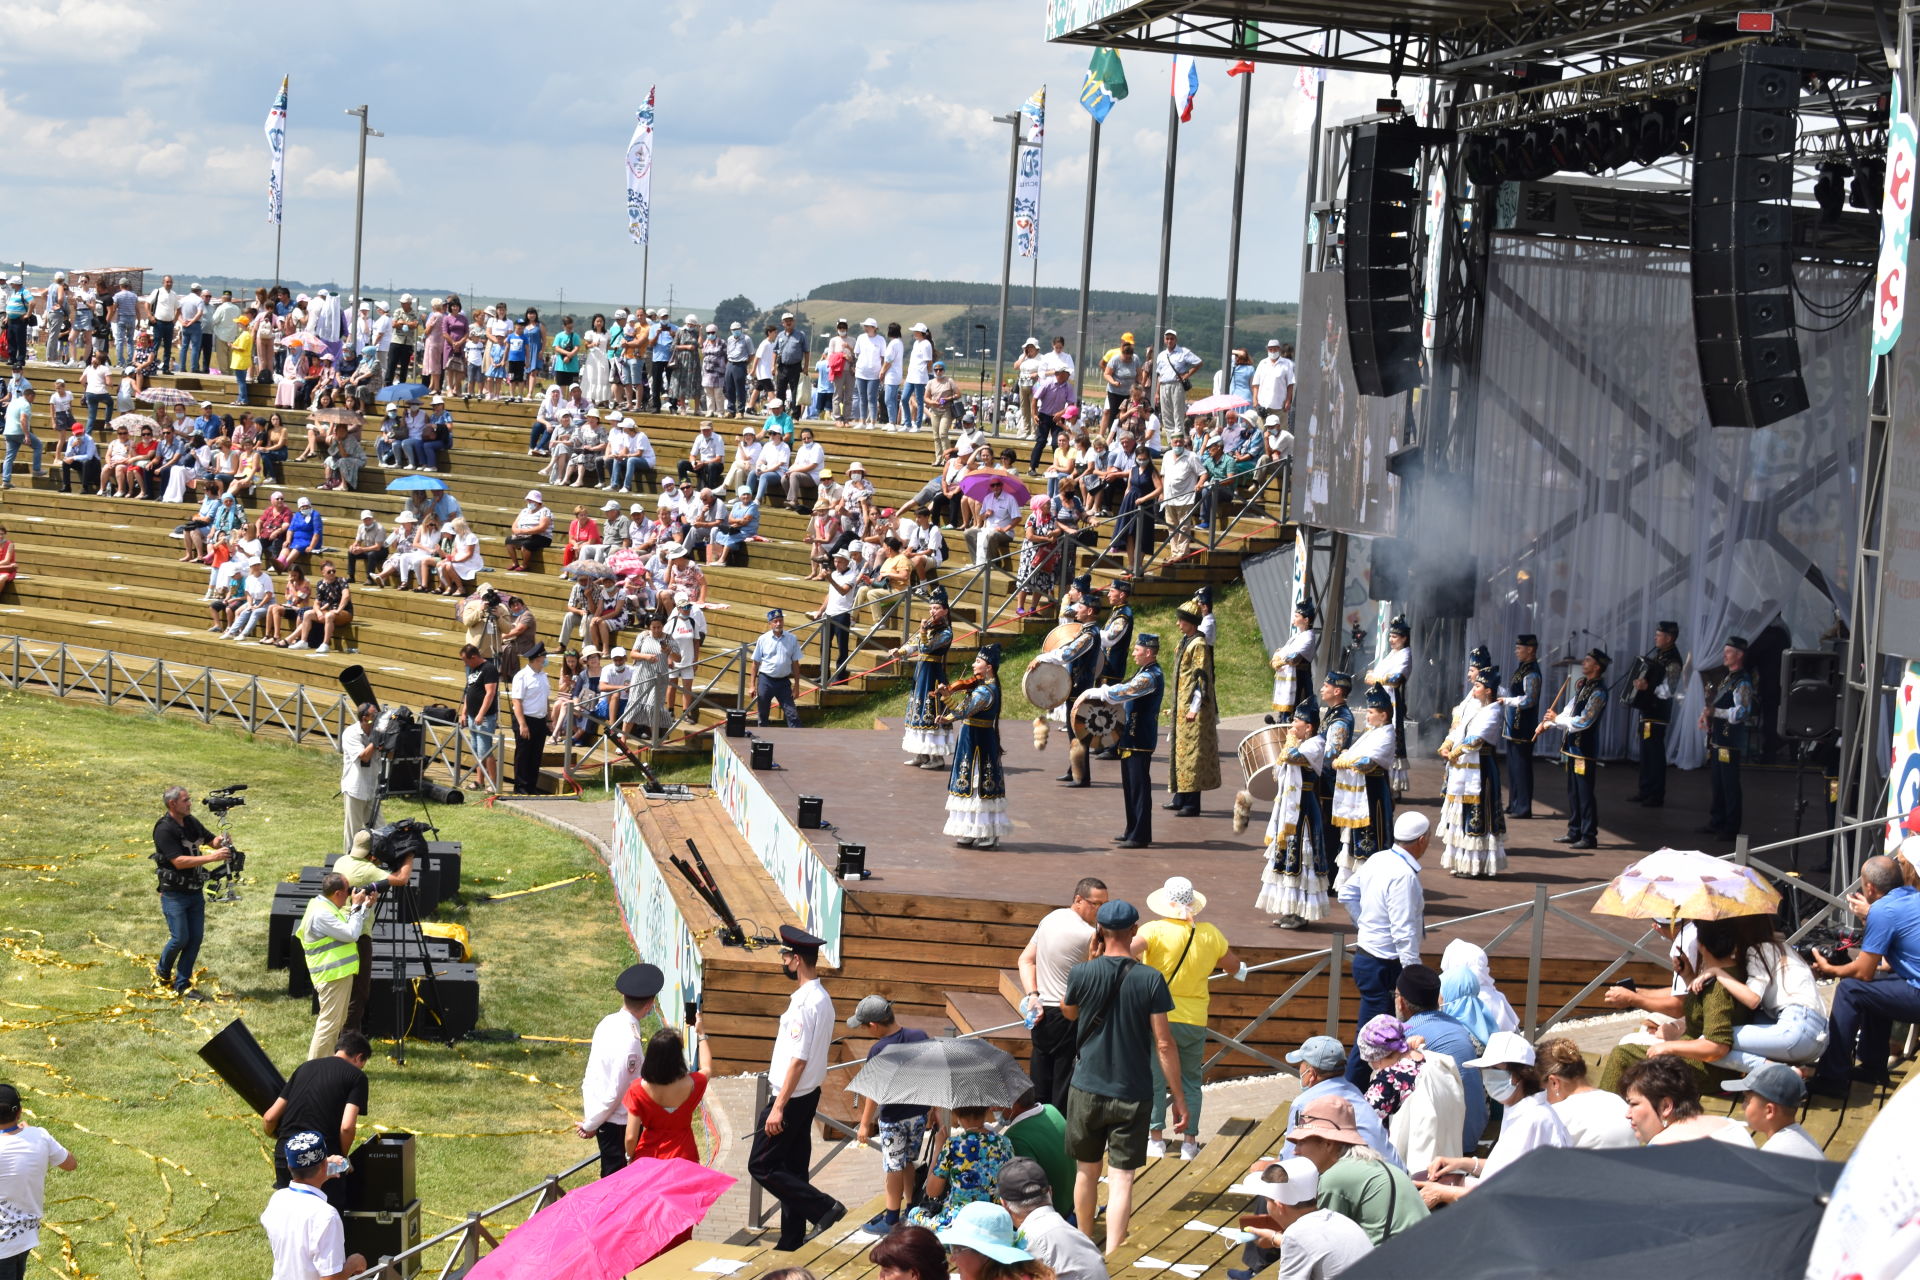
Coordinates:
(970, 1162)
(1039, 560)
(1392, 1086)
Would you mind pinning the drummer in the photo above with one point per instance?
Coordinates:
(926, 740)
(1139, 698)
(1292, 665)
(1116, 637)
(1362, 790)
(1080, 656)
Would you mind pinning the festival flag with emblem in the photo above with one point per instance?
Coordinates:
(1186, 84)
(1106, 84)
(277, 147)
(640, 174)
(1026, 189)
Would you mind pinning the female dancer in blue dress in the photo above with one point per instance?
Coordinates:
(927, 740)
(977, 787)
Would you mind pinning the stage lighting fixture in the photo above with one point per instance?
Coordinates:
(1830, 192)
(1477, 159)
(1505, 154)
(1655, 132)
(1869, 186)
(1604, 144)
(1536, 152)
(1563, 142)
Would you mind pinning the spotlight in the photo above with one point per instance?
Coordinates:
(1868, 189)
(1829, 192)
(1655, 132)
(1603, 144)
(1563, 142)
(1536, 152)
(1505, 154)
(1477, 159)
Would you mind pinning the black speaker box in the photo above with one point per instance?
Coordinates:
(1385, 255)
(289, 903)
(1719, 227)
(1385, 146)
(1809, 694)
(1762, 268)
(406, 759)
(455, 1015)
(382, 1180)
(1742, 133)
(427, 882)
(384, 1235)
(1730, 315)
(1750, 360)
(1380, 202)
(1741, 178)
(1748, 79)
(1385, 362)
(1754, 404)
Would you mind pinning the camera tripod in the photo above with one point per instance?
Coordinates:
(405, 928)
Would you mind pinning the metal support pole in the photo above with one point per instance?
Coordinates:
(646, 253)
(1086, 254)
(359, 203)
(1233, 231)
(1336, 971)
(1006, 265)
(1534, 948)
(1166, 226)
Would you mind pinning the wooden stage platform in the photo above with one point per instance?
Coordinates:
(1062, 833)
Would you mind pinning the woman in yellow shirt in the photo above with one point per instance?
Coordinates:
(240, 358)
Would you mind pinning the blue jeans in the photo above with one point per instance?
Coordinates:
(1863, 1017)
(240, 386)
(123, 342)
(539, 436)
(13, 451)
(915, 395)
(186, 915)
(1799, 1036)
(893, 402)
(866, 399)
(190, 349)
(422, 453)
(736, 385)
(765, 480)
(163, 344)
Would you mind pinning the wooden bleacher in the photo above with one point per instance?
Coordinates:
(102, 572)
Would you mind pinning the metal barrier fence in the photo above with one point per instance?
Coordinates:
(466, 1238)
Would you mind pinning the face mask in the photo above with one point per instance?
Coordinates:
(1500, 1086)
(793, 974)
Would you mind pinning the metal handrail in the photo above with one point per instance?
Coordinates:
(471, 1232)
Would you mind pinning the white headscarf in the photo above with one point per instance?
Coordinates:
(1463, 955)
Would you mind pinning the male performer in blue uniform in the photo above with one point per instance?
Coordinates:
(1140, 698)
(1653, 695)
(1116, 638)
(1522, 718)
(1725, 724)
(1581, 751)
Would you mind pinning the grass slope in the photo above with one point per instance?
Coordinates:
(173, 1167)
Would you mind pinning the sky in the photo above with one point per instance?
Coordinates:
(791, 148)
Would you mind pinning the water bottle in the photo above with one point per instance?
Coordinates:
(338, 1167)
(1030, 1010)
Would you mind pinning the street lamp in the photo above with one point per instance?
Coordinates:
(359, 202)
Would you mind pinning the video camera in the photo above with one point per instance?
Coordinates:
(391, 845)
(1830, 944)
(387, 729)
(223, 800)
(222, 877)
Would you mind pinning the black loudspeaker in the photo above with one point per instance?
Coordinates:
(1377, 262)
(407, 758)
(1809, 694)
(762, 754)
(1392, 569)
(1451, 587)
(1742, 264)
(289, 904)
(807, 813)
(377, 1235)
(382, 1177)
(736, 722)
(244, 1065)
(455, 1015)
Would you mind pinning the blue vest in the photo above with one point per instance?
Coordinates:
(1522, 721)
(1725, 733)
(1142, 729)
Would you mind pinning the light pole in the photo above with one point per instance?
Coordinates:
(1006, 262)
(359, 204)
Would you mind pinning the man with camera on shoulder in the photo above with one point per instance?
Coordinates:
(359, 772)
(178, 838)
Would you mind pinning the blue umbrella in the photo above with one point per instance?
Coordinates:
(416, 482)
(402, 391)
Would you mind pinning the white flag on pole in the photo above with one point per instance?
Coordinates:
(640, 174)
(277, 147)
(1026, 187)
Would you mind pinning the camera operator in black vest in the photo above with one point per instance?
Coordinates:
(177, 838)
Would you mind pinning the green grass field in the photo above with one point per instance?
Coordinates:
(173, 1166)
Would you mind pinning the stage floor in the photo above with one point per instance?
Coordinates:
(1061, 834)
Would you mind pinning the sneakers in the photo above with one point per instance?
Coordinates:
(298, 644)
(320, 649)
(1156, 1148)
(1189, 1149)
(881, 1223)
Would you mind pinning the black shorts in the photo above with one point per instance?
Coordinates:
(763, 384)
(531, 541)
(1116, 401)
(564, 378)
(516, 370)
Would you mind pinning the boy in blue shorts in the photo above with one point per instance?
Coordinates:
(516, 358)
(902, 1128)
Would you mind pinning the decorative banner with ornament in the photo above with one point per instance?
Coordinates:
(1896, 227)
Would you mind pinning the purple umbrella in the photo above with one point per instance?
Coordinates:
(1217, 404)
(976, 485)
(609, 1227)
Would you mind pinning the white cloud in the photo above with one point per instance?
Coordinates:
(102, 28)
(323, 181)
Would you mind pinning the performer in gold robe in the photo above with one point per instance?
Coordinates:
(1195, 766)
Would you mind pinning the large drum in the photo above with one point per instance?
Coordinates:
(1260, 753)
(1046, 684)
(1096, 723)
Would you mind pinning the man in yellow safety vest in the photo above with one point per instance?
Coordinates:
(329, 933)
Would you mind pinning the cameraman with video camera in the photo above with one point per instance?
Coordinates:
(363, 869)
(359, 774)
(177, 838)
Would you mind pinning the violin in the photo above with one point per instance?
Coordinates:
(959, 686)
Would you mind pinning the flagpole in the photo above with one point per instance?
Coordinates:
(1233, 232)
(1006, 266)
(280, 223)
(646, 252)
(1166, 223)
(1086, 254)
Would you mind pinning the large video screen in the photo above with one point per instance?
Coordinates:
(1342, 439)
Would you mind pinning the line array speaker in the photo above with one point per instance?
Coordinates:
(1378, 259)
(1742, 260)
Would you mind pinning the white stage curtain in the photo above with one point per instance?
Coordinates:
(1603, 500)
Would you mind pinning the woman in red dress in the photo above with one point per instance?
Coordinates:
(662, 1103)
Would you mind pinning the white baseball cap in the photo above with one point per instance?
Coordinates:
(533, 495)
(366, 515)
(1505, 1047)
(619, 651)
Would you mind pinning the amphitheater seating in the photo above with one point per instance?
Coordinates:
(103, 572)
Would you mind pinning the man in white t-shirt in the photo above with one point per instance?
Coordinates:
(163, 308)
(992, 527)
(191, 314)
(1314, 1243)
(26, 1153)
(1774, 1093)
(304, 1230)
(1273, 380)
(1058, 943)
(359, 773)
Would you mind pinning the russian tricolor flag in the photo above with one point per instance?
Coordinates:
(1186, 84)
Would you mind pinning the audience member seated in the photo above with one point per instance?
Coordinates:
(532, 533)
(1322, 1061)
(1704, 1033)
(1418, 1095)
(981, 1246)
(80, 455)
(256, 601)
(1310, 1241)
(1774, 1092)
(120, 479)
(273, 522)
(1867, 1002)
(1416, 1002)
(966, 1170)
(1595, 1119)
(332, 610)
(1776, 988)
(345, 457)
(9, 560)
(1509, 1067)
(1663, 1105)
(295, 599)
(368, 547)
(462, 562)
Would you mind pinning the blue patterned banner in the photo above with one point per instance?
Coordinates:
(640, 174)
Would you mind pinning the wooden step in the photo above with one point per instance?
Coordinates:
(974, 1011)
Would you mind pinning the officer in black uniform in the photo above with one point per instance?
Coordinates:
(1522, 717)
(1726, 725)
(1116, 640)
(1654, 688)
(1580, 753)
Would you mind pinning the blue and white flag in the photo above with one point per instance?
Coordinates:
(277, 147)
(1026, 187)
(640, 174)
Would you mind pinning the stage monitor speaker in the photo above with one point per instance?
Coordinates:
(455, 1016)
(1742, 265)
(807, 813)
(1809, 694)
(736, 722)
(376, 1235)
(289, 904)
(1377, 260)
(761, 754)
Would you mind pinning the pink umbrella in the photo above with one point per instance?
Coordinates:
(1217, 404)
(975, 486)
(609, 1227)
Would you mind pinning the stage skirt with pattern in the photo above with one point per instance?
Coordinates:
(1298, 867)
(1399, 773)
(1473, 824)
(925, 735)
(976, 786)
(1291, 687)
(1363, 811)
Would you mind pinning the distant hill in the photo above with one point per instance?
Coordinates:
(953, 309)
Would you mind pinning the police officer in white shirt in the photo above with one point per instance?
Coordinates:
(775, 656)
(783, 1138)
(614, 1063)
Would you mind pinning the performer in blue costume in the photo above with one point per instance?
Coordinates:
(977, 786)
(926, 740)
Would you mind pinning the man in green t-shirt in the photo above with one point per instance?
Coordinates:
(1038, 1132)
(1125, 1006)
(1354, 1181)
